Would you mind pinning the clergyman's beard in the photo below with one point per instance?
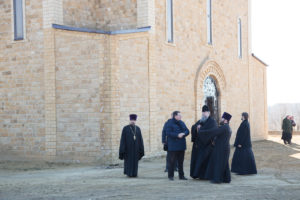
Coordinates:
(203, 119)
(132, 123)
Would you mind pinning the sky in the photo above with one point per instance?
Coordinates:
(276, 41)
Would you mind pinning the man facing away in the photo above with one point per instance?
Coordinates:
(131, 147)
(287, 129)
(176, 132)
(201, 152)
(218, 165)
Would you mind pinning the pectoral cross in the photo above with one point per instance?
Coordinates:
(134, 133)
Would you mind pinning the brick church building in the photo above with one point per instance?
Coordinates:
(72, 71)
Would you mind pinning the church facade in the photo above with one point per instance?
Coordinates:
(71, 72)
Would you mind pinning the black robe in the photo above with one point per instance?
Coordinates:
(243, 161)
(287, 128)
(194, 148)
(200, 152)
(218, 170)
(131, 151)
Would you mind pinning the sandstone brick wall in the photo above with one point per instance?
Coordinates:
(80, 13)
(179, 62)
(112, 15)
(52, 12)
(134, 84)
(101, 14)
(79, 60)
(22, 125)
(258, 119)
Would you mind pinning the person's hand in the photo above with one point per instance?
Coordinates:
(180, 135)
(240, 146)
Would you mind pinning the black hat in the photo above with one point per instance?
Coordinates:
(205, 108)
(226, 116)
(133, 117)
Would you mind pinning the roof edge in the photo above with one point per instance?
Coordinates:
(262, 62)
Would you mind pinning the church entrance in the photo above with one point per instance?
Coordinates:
(211, 97)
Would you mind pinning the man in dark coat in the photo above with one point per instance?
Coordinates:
(218, 166)
(131, 147)
(287, 129)
(176, 133)
(165, 143)
(243, 161)
(201, 152)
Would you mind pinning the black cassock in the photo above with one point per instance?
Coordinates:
(218, 166)
(131, 149)
(201, 151)
(243, 161)
(194, 148)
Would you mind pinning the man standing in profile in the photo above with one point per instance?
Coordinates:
(131, 147)
(218, 166)
(176, 133)
(243, 161)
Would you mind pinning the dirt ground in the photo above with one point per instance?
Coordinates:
(278, 178)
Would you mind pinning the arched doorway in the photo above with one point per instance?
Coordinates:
(210, 88)
(211, 97)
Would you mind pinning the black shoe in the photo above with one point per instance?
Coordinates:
(215, 182)
(132, 176)
(166, 170)
(183, 178)
(171, 179)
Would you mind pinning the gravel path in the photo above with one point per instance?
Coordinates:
(278, 178)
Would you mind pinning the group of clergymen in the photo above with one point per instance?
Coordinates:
(210, 152)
